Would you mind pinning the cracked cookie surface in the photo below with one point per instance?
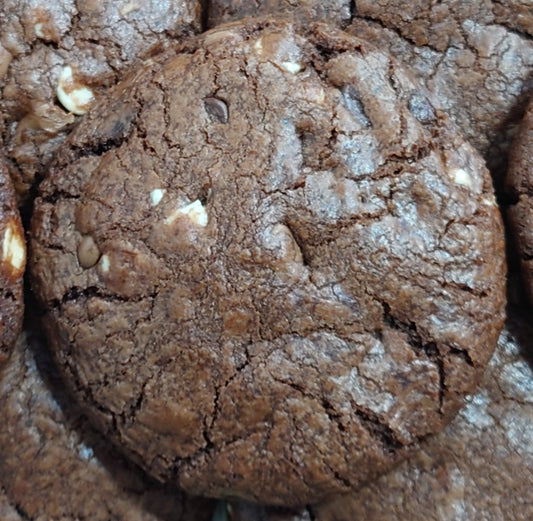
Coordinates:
(520, 190)
(475, 57)
(479, 467)
(269, 265)
(12, 265)
(58, 58)
(54, 466)
(337, 12)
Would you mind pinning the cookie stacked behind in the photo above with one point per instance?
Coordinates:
(57, 59)
(334, 12)
(269, 264)
(12, 265)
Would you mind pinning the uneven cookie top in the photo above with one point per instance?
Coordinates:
(337, 12)
(479, 467)
(520, 190)
(475, 57)
(57, 58)
(12, 265)
(54, 466)
(269, 264)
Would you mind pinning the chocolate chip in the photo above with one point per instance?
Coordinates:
(88, 252)
(217, 109)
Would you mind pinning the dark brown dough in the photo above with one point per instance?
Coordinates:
(520, 191)
(54, 466)
(337, 12)
(469, 55)
(479, 467)
(12, 265)
(82, 46)
(269, 264)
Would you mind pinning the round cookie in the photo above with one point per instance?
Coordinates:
(520, 187)
(58, 58)
(12, 264)
(54, 466)
(269, 265)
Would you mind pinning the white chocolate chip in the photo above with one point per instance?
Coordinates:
(194, 211)
(104, 263)
(156, 196)
(258, 46)
(74, 97)
(129, 8)
(13, 248)
(292, 67)
(39, 30)
(88, 252)
(462, 177)
(490, 201)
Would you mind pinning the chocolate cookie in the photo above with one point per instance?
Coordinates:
(54, 466)
(520, 189)
(479, 467)
(469, 55)
(336, 12)
(13, 262)
(57, 59)
(269, 264)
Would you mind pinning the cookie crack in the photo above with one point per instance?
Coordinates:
(418, 345)
(378, 429)
(75, 293)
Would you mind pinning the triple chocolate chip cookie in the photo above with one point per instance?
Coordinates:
(269, 265)
(12, 264)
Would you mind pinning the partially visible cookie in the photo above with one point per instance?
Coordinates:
(269, 265)
(54, 466)
(520, 190)
(57, 59)
(479, 467)
(12, 265)
(470, 55)
(337, 12)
